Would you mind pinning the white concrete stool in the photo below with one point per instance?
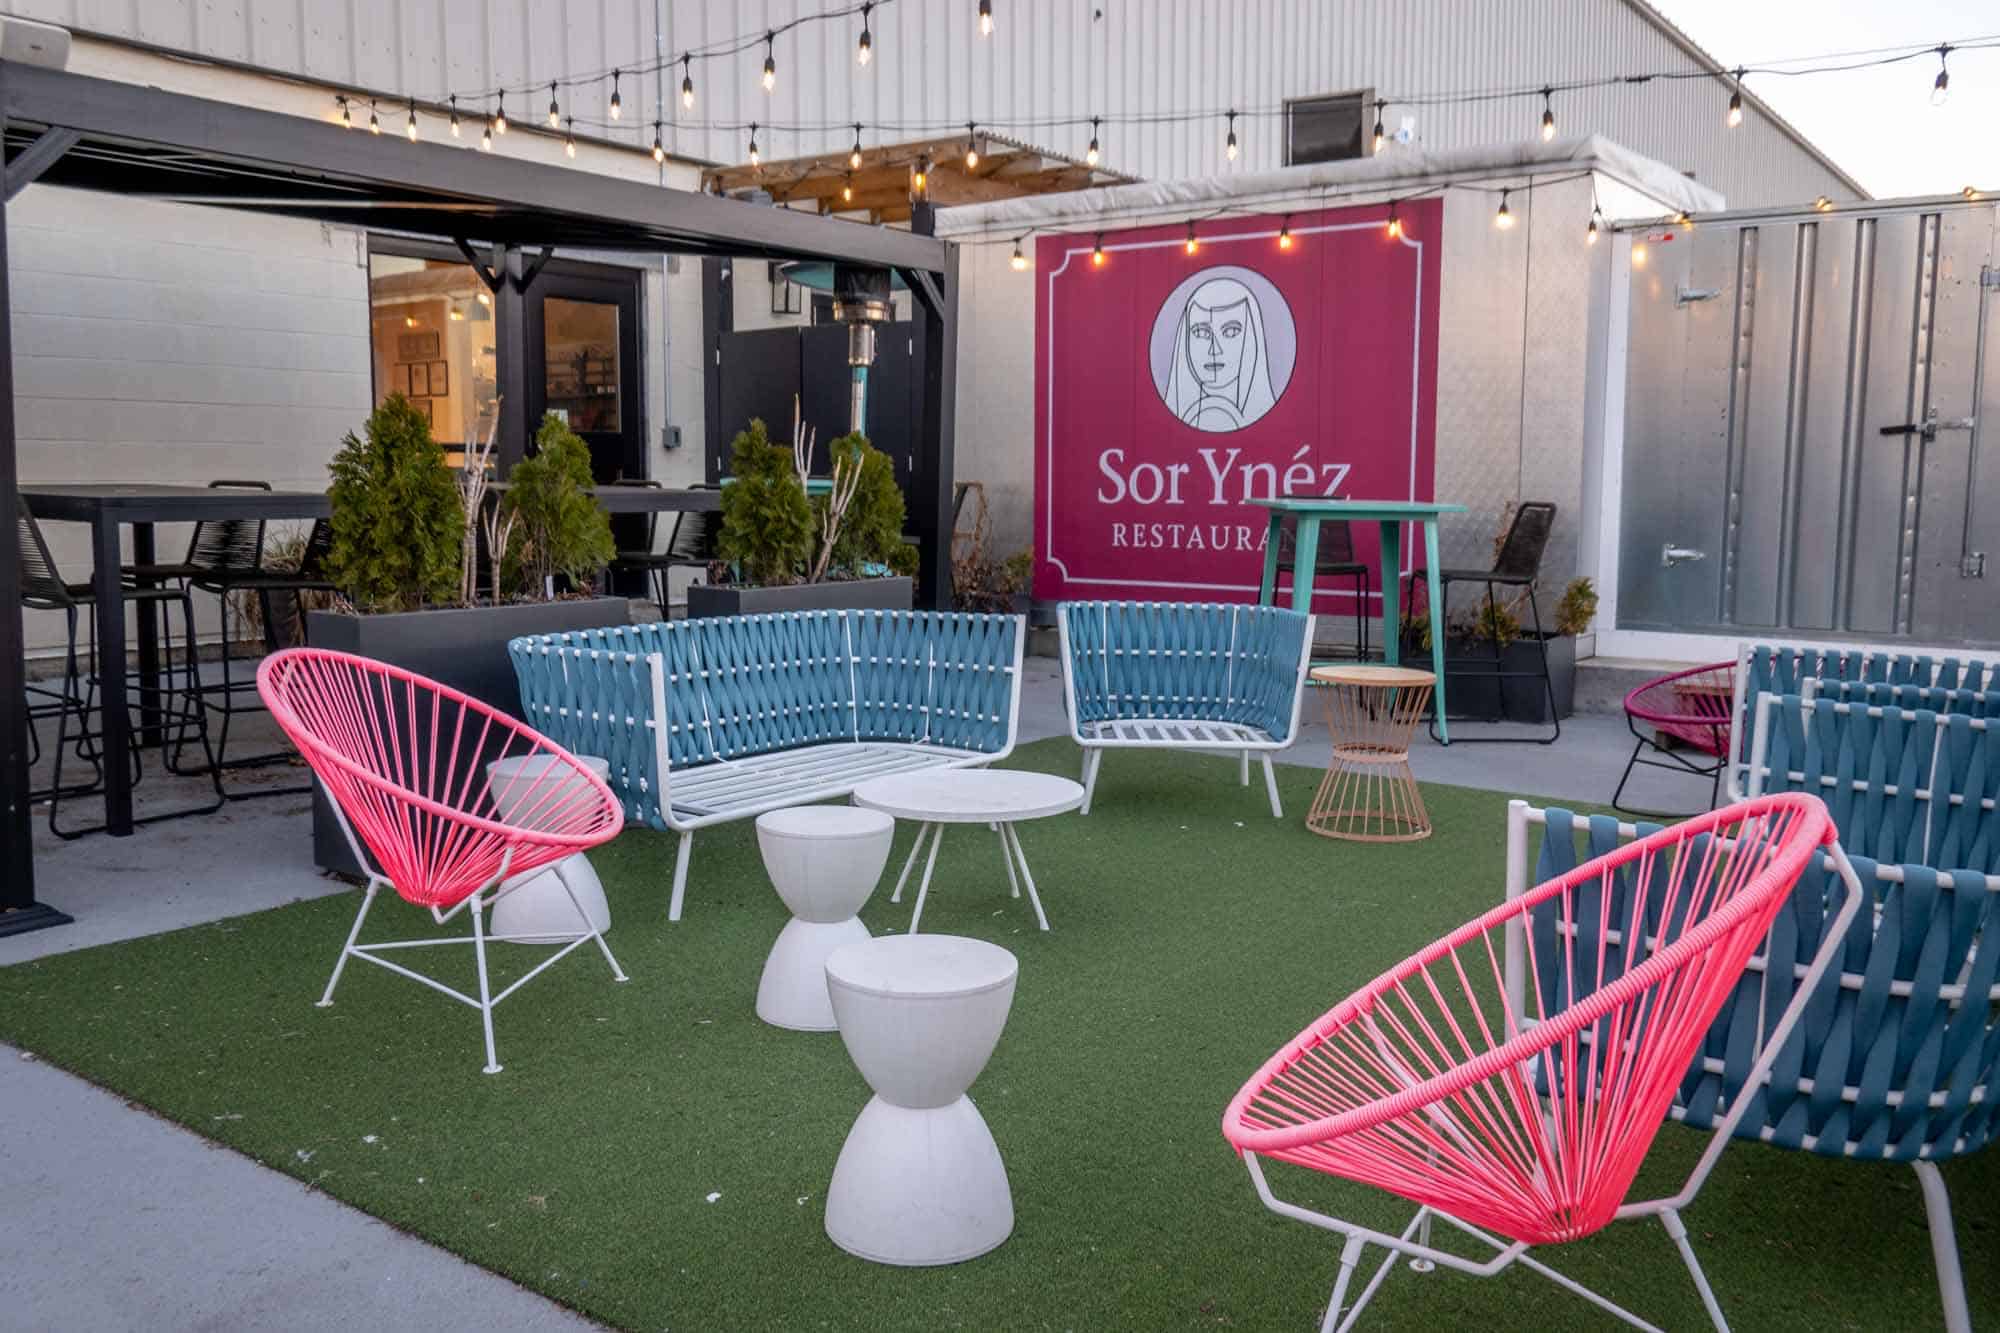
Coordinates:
(824, 861)
(532, 908)
(919, 1180)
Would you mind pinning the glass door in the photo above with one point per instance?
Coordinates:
(582, 335)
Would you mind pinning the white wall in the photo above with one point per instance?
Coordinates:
(1048, 60)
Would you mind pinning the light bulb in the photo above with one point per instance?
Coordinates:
(1822, 204)
(971, 146)
(1192, 244)
(374, 121)
(1229, 148)
(616, 107)
(1019, 262)
(754, 159)
(1097, 251)
(569, 141)
(1548, 116)
(1090, 153)
(864, 50)
(985, 18)
(1380, 136)
(499, 125)
(854, 158)
(454, 116)
(555, 112)
(847, 191)
(1590, 233)
(1970, 192)
(1685, 218)
(1285, 236)
(1394, 226)
(346, 112)
(687, 84)
(1941, 87)
(1735, 110)
(659, 149)
(1504, 218)
(486, 139)
(770, 61)
(920, 179)
(410, 128)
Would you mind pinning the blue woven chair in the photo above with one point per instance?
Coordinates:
(1183, 676)
(1762, 669)
(716, 719)
(1897, 1055)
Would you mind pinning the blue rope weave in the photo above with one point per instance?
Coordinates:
(1767, 670)
(1186, 662)
(736, 686)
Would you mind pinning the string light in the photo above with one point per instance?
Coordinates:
(1394, 227)
(1685, 218)
(616, 107)
(1970, 192)
(1941, 88)
(1229, 148)
(854, 158)
(1090, 153)
(454, 115)
(920, 181)
(971, 145)
(753, 143)
(770, 61)
(864, 50)
(486, 138)
(374, 121)
(1285, 233)
(569, 141)
(1822, 204)
(985, 18)
(498, 125)
(687, 83)
(1380, 107)
(1504, 218)
(659, 149)
(1019, 261)
(1735, 116)
(847, 190)
(555, 112)
(411, 127)
(1097, 251)
(1548, 115)
(346, 111)
(1590, 233)
(1192, 244)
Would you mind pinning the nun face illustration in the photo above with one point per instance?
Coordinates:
(1216, 339)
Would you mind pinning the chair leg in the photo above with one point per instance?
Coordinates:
(1092, 761)
(680, 875)
(1271, 786)
(617, 972)
(478, 913)
(1677, 1229)
(1361, 616)
(1548, 680)
(1618, 792)
(367, 901)
(1350, 1258)
(1944, 1248)
(1243, 775)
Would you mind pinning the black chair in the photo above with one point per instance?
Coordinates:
(1334, 559)
(690, 545)
(75, 702)
(1517, 564)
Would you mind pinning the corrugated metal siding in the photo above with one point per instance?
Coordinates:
(1048, 59)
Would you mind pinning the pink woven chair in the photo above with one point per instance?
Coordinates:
(1527, 1128)
(405, 763)
(1692, 707)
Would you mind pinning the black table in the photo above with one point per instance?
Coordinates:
(106, 506)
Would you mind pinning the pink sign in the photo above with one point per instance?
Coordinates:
(1173, 388)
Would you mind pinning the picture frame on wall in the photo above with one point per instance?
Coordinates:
(439, 379)
(421, 346)
(404, 381)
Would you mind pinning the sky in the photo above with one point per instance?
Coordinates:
(1877, 124)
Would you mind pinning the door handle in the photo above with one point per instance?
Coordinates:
(1671, 555)
(1929, 427)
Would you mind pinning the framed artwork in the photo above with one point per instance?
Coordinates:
(404, 381)
(417, 346)
(439, 379)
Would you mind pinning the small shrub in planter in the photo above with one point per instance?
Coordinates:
(555, 526)
(396, 517)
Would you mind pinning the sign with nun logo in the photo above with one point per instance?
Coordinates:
(1175, 388)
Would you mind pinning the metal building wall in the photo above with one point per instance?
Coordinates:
(1048, 60)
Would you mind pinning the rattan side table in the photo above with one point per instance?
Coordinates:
(1369, 793)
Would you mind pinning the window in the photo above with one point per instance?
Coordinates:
(1327, 129)
(431, 331)
(580, 362)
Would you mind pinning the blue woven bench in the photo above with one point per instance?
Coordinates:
(717, 719)
(1183, 676)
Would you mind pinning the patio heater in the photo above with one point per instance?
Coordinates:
(863, 301)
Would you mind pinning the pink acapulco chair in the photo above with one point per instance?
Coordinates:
(1691, 708)
(405, 763)
(1527, 1128)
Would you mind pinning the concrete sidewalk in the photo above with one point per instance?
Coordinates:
(118, 1220)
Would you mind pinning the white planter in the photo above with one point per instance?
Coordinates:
(533, 908)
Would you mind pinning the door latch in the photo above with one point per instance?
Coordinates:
(1929, 427)
(1972, 565)
(1671, 555)
(1689, 295)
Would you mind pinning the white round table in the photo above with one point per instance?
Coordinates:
(824, 861)
(998, 797)
(919, 1179)
(541, 906)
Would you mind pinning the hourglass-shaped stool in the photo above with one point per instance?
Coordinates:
(824, 861)
(536, 908)
(919, 1180)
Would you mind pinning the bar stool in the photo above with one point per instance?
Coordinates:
(44, 589)
(1335, 559)
(690, 545)
(1369, 793)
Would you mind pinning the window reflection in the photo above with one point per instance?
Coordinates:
(431, 334)
(580, 356)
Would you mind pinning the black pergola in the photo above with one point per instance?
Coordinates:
(508, 215)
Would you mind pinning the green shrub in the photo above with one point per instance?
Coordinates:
(1577, 608)
(397, 524)
(767, 525)
(871, 531)
(558, 526)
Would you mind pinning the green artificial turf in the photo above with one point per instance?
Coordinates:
(1193, 935)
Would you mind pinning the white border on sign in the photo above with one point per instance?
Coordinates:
(1407, 533)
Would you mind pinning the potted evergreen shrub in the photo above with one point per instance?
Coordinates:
(785, 550)
(1482, 642)
(405, 552)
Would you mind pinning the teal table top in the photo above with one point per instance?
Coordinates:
(1306, 504)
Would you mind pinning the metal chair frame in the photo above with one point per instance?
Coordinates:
(1708, 735)
(1335, 559)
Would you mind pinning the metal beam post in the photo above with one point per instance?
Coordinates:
(931, 460)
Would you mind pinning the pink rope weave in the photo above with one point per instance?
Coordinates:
(406, 760)
(1426, 1083)
(1693, 705)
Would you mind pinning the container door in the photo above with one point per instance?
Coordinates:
(583, 364)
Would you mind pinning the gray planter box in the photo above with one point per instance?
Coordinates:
(463, 647)
(889, 594)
